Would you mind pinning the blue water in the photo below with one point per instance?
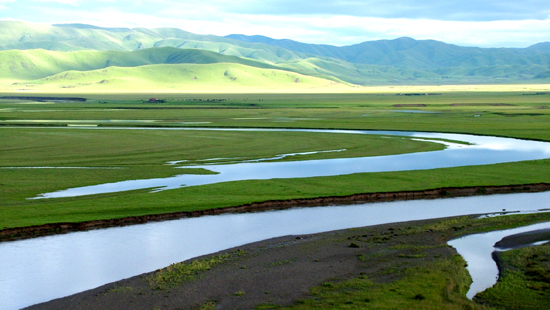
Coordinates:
(482, 150)
(41, 269)
(477, 250)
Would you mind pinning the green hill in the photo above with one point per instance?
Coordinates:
(181, 77)
(416, 54)
(24, 35)
(33, 51)
(35, 64)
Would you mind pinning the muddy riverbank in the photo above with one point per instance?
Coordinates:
(277, 272)
(523, 239)
(10, 234)
(390, 259)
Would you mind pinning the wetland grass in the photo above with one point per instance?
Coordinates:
(143, 153)
(524, 281)
(411, 275)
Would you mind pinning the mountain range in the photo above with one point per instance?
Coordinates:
(44, 54)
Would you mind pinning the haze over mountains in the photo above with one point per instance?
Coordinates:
(42, 53)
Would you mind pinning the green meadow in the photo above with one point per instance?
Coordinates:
(29, 138)
(525, 272)
(143, 85)
(51, 145)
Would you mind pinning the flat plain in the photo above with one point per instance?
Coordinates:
(51, 134)
(45, 144)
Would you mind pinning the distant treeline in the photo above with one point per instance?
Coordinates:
(538, 94)
(156, 100)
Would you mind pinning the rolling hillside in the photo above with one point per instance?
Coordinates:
(180, 77)
(415, 54)
(36, 64)
(28, 65)
(24, 35)
(35, 51)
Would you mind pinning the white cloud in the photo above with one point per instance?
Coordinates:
(71, 2)
(465, 10)
(339, 28)
(3, 6)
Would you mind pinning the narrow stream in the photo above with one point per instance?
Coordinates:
(481, 150)
(477, 249)
(41, 269)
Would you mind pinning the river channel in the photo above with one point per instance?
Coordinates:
(475, 150)
(477, 249)
(41, 269)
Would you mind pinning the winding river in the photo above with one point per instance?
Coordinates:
(477, 150)
(41, 269)
(477, 251)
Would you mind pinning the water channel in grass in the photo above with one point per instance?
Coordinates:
(476, 150)
(41, 269)
(477, 251)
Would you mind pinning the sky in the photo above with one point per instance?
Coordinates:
(483, 23)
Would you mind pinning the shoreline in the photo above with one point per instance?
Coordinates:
(278, 271)
(364, 266)
(28, 232)
(521, 240)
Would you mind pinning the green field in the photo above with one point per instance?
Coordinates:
(138, 154)
(43, 148)
(140, 83)
(522, 268)
(171, 77)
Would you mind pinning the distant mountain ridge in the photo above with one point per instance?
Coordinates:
(399, 61)
(409, 53)
(86, 26)
(67, 38)
(37, 64)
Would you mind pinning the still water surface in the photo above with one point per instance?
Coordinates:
(41, 269)
(477, 250)
(481, 150)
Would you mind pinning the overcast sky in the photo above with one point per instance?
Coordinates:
(484, 23)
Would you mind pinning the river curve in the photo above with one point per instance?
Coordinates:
(41, 269)
(477, 249)
(479, 150)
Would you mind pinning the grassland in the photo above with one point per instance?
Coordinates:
(138, 154)
(31, 50)
(173, 77)
(29, 138)
(525, 273)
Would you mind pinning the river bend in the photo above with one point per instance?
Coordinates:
(41, 269)
(478, 150)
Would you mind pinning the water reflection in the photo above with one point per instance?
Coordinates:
(37, 270)
(477, 250)
(480, 150)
